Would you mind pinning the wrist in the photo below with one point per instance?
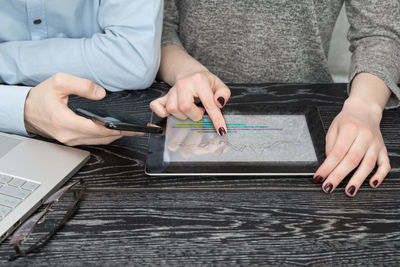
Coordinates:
(369, 89)
(176, 63)
(365, 106)
(183, 74)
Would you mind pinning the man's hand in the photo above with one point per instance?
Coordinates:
(47, 113)
(180, 100)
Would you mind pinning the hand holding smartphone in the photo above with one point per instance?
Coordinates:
(114, 124)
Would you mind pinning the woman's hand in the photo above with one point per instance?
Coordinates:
(354, 139)
(180, 101)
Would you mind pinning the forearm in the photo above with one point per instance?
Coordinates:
(124, 53)
(116, 67)
(177, 63)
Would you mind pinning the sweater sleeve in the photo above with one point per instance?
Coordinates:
(170, 34)
(374, 37)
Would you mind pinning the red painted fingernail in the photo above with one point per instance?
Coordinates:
(222, 131)
(317, 179)
(328, 188)
(375, 183)
(221, 100)
(351, 190)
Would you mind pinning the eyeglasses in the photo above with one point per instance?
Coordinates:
(22, 234)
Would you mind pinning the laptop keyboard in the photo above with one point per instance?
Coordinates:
(13, 191)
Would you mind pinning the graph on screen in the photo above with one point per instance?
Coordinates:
(256, 148)
(205, 125)
(249, 138)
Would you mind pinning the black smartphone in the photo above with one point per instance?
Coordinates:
(115, 124)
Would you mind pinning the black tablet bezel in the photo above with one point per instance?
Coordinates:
(155, 164)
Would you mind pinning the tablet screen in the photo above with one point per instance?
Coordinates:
(250, 138)
(261, 140)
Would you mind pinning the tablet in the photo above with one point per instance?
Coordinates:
(264, 140)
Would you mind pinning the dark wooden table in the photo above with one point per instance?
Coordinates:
(130, 218)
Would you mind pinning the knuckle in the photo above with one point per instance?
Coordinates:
(382, 171)
(214, 113)
(181, 83)
(209, 105)
(354, 158)
(337, 153)
(153, 104)
(370, 162)
(198, 77)
(87, 84)
(157, 107)
(213, 109)
(59, 79)
(368, 133)
(185, 107)
(172, 108)
(197, 117)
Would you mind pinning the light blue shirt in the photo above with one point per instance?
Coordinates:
(114, 43)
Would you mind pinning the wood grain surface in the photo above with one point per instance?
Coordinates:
(129, 218)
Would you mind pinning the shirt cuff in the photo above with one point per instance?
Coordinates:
(12, 105)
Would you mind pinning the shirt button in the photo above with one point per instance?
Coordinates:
(37, 21)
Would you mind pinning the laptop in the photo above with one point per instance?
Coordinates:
(30, 171)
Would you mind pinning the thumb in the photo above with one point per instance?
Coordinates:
(68, 84)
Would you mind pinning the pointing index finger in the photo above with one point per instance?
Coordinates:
(207, 98)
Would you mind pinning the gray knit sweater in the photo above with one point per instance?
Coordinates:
(255, 41)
